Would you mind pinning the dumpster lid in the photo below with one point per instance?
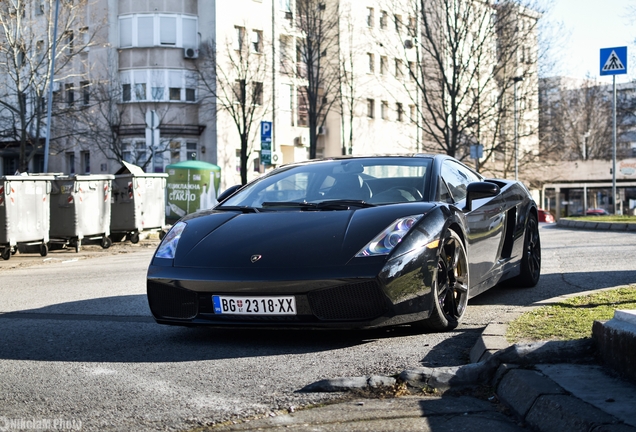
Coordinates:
(26, 176)
(129, 168)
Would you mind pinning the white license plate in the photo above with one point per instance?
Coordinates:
(254, 305)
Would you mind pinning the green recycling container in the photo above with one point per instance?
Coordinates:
(192, 186)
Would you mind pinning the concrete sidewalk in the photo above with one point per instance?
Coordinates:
(545, 386)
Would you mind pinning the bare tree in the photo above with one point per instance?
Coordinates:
(26, 40)
(318, 23)
(348, 82)
(232, 77)
(468, 53)
(101, 124)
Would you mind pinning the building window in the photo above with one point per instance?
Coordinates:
(141, 152)
(164, 85)
(384, 17)
(193, 153)
(411, 28)
(303, 118)
(257, 93)
(399, 109)
(125, 92)
(301, 64)
(257, 41)
(175, 94)
(39, 7)
(68, 41)
(145, 30)
(239, 91)
(384, 110)
(157, 162)
(86, 96)
(140, 91)
(125, 32)
(412, 71)
(85, 37)
(70, 94)
(413, 113)
(175, 151)
(70, 162)
(399, 74)
(157, 93)
(285, 59)
(39, 50)
(86, 162)
(371, 65)
(370, 17)
(384, 63)
(370, 108)
(239, 37)
(398, 23)
(168, 30)
(126, 153)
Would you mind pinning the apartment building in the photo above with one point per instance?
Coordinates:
(159, 81)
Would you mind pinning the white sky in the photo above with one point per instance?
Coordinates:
(590, 25)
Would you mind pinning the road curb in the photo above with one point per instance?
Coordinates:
(596, 226)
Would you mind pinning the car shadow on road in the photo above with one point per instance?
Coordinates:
(120, 329)
(111, 330)
(554, 285)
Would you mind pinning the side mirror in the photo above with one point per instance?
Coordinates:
(479, 190)
(227, 192)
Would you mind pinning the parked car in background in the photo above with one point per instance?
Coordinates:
(545, 216)
(596, 212)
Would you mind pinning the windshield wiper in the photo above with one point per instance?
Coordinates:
(324, 205)
(346, 204)
(244, 209)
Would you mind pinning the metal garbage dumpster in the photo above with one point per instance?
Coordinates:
(80, 210)
(24, 213)
(138, 203)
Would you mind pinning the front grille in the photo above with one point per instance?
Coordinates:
(357, 301)
(170, 302)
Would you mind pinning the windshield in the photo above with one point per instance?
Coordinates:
(371, 181)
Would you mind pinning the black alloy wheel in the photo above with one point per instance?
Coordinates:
(450, 288)
(531, 259)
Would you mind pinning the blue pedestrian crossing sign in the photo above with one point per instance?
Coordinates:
(614, 61)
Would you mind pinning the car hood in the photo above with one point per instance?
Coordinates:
(284, 239)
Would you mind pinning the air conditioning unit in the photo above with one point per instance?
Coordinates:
(190, 53)
(302, 140)
(322, 130)
(277, 158)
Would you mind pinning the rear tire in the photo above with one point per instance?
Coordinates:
(450, 286)
(134, 238)
(531, 259)
(44, 250)
(6, 253)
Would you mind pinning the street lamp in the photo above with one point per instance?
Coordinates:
(515, 80)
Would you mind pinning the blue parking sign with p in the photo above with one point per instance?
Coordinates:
(266, 131)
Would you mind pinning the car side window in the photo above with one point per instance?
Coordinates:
(457, 178)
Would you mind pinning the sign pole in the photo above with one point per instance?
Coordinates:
(614, 62)
(614, 143)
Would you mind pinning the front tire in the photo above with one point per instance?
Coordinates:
(450, 286)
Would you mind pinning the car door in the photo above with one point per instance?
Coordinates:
(485, 224)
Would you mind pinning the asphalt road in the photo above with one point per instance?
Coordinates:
(77, 343)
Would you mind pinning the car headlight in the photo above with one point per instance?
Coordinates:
(168, 246)
(384, 242)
